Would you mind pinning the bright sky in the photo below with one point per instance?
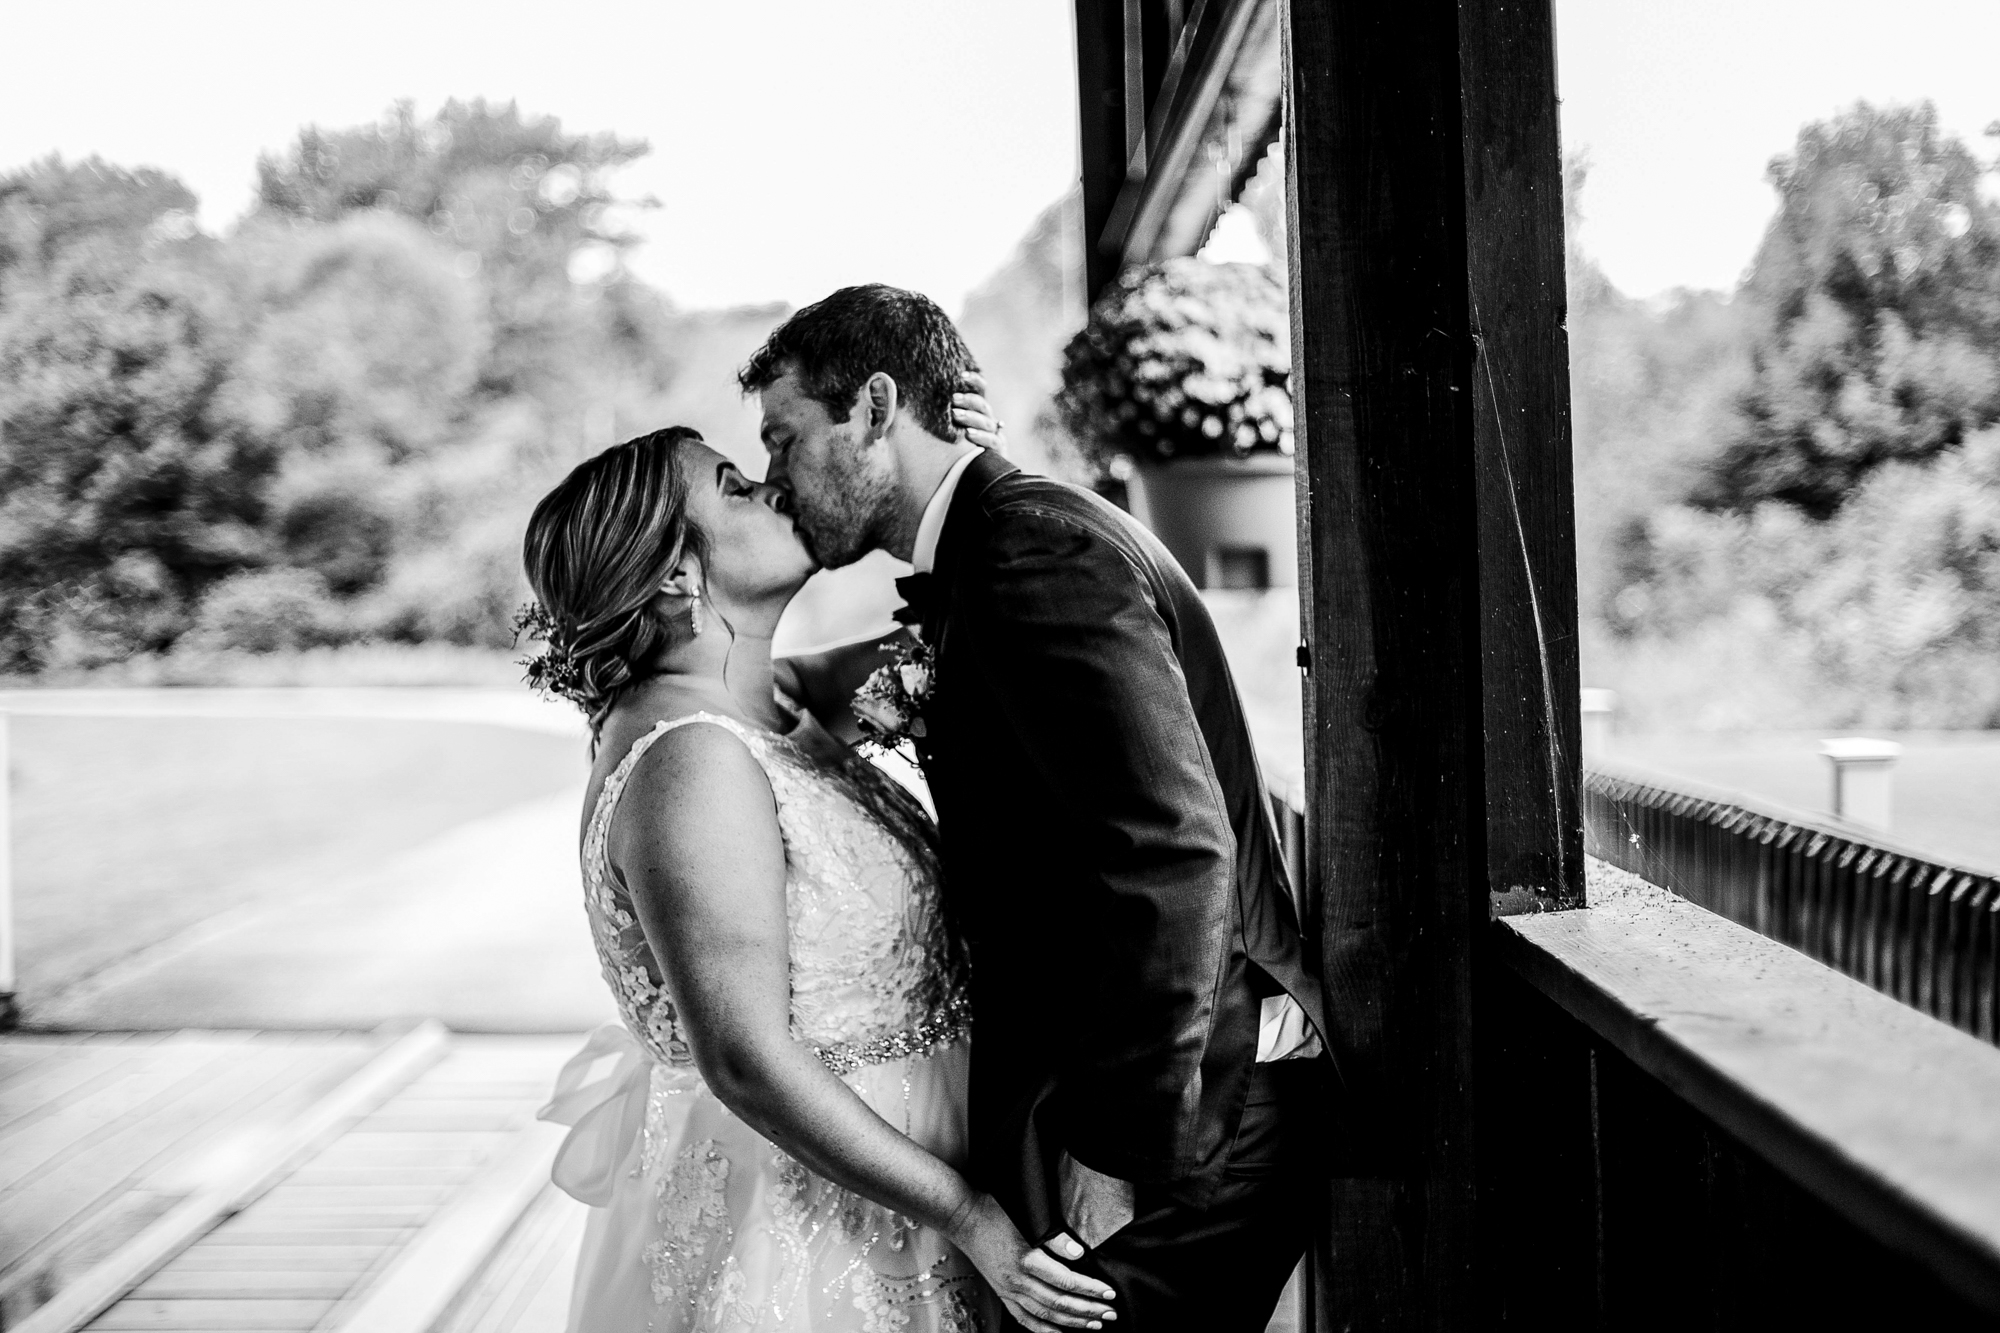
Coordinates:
(1681, 103)
(800, 144)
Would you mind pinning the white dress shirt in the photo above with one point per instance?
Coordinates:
(923, 556)
(1282, 1030)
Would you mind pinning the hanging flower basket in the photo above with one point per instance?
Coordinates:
(1184, 359)
(1185, 368)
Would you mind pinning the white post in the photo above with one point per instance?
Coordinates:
(1598, 708)
(1861, 778)
(10, 1012)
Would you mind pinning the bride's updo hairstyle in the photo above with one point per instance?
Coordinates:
(598, 548)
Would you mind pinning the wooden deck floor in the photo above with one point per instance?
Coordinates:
(98, 1137)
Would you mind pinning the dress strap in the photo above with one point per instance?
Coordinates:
(614, 784)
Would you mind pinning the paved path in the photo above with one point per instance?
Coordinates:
(481, 928)
(511, 707)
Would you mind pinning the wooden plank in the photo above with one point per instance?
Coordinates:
(105, 1283)
(1389, 576)
(211, 1256)
(62, 1067)
(1884, 1114)
(161, 1152)
(373, 1144)
(388, 1218)
(390, 1193)
(1100, 99)
(437, 1265)
(176, 1284)
(227, 1314)
(499, 1120)
(294, 1233)
(352, 1177)
(1525, 492)
(526, 1284)
(131, 1090)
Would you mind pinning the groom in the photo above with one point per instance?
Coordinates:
(1148, 1086)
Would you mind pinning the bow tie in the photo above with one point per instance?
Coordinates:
(919, 593)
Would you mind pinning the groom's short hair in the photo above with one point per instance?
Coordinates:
(835, 344)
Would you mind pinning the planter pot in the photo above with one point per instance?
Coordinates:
(1231, 522)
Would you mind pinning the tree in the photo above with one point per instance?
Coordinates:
(528, 208)
(48, 206)
(125, 484)
(1878, 287)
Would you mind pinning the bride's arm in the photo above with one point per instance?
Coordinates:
(824, 680)
(698, 844)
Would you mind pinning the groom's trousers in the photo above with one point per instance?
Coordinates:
(1221, 1268)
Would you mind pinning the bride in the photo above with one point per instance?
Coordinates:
(771, 1140)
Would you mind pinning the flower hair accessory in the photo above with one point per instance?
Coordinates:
(553, 670)
(889, 706)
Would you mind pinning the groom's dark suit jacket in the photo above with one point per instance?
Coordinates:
(1108, 849)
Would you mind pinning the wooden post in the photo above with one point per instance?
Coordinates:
(1521, 440)
(1437, 587)
(1100, 110)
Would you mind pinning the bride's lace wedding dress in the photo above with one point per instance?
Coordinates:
(698, 1222)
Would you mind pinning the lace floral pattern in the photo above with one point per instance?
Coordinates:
(872, 959)
(731, 1234)
(694, 1223)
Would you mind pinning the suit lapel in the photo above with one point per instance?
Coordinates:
(959, 521)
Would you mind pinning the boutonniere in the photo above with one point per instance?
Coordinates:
(890, 703)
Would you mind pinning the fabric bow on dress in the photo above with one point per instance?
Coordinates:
(601, 1095)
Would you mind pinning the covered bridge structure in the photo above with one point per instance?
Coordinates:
(1575, 1099)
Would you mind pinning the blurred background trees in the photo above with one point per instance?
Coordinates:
(325, 427)
(1789, 497)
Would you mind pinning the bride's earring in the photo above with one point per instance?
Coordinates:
(694, 611)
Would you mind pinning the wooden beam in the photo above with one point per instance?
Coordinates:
(1100, 106)
(1437, 586)
(1880, 1111)
(1521, 443)
(1389, 582)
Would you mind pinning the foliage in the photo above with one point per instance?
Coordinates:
(328, 424)
(125, 481)
(52, 205)
(1182, 359)
(1787, 497)
(526, 206)
(1878, 288)
(1886, 614)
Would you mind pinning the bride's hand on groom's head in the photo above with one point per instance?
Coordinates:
(971, 413)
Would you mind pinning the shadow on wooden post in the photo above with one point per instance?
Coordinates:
(1430, 377)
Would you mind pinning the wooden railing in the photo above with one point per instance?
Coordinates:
(1912, 926)
(1727, 1133)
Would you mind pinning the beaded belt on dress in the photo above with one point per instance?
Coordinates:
(940, 1029)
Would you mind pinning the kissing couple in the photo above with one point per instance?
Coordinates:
(1051, 1061)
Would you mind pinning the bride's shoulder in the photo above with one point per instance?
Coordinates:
(694, 778)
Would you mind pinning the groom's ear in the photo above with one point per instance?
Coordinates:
(879, 400)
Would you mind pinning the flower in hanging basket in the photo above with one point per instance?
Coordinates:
(1181, 360)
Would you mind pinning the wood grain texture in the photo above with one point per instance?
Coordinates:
(1884, 1114)
(1519, 388)
(1100, 103)
(1390, 584)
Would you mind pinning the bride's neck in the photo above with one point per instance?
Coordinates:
(731, 670)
